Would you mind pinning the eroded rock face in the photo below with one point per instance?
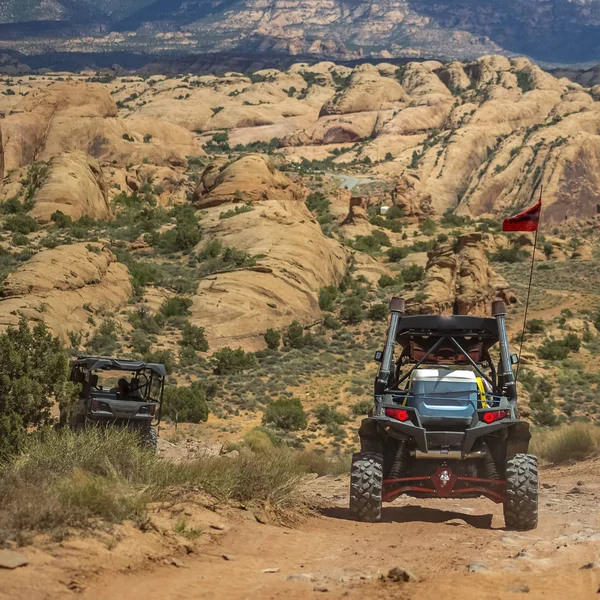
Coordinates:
(66, 117)
(249, 179)
(460, 279)
(64, 286)
(236, 308)
(75, 186)
(406, 197)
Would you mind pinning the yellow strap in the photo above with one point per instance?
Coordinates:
(482, 395)
(409, 388)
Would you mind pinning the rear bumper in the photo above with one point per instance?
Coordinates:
(444, 483)
(426, 440)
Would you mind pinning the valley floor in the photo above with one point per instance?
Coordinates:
(454, 549)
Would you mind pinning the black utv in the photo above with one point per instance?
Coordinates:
(445, 423)
(117, 392)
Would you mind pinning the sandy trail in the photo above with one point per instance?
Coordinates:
(330, 556)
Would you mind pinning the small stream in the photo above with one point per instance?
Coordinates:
(349, 181)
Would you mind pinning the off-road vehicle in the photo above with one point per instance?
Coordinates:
(445, 423)
(117, 392)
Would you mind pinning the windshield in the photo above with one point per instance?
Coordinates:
(143, 385)
(447, 389)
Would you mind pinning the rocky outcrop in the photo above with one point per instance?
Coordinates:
(405, 196)
(236, 308)
(67, 117)
(249, 179)
(75, 186)
(459, 279)
(64, 287)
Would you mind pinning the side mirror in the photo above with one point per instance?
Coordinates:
(514, 359)
(378, 356)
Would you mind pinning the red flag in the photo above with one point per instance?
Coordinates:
(528, 220)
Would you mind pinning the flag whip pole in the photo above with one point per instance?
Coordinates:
(529, 290)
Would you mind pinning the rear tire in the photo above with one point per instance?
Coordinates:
(149, 438)
(366, 483)
(521, 504)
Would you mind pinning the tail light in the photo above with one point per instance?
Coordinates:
(397, 413)
(97, 405)
(147, 409)
(494, 415)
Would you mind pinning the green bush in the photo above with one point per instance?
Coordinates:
(227, 361)
(553, 350)
(510, 255)
(352, 311)
(104, 340)
(186, 404)
(378, 312)
(175, 307)
(20, 223)
(272, 338)
(162, 357)
(286, 413)
(572, 342)
(535, 326)
(194, 337)
(396, 254)
(428, 227)
(61, 220)
(328, 415)
(386, 281)
(34, 368)
(361, 408)
(413, 274)
(327, 297)
(330, 322)
(294, 335)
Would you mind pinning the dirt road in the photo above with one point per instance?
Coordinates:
(454, 549)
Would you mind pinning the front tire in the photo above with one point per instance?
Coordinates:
(366, 484)
(521, 504)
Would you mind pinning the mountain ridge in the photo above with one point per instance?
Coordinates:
(556, 31)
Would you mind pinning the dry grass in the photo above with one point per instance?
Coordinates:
(568, 443)
(65, 479)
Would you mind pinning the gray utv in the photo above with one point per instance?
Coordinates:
(115, 392)
(445, 421)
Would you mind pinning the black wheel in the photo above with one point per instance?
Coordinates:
(521, 504)
(149, 438)
(366, 482)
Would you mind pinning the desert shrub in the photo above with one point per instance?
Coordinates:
(572, 342)
(536, 326)
(328, 415)
(60, 220)
(378, 312)
(361, 408)
(386, 281)
(175, 307)
(286, 413)
(273, 338)
(140, 342)
(185, 404)
(578, 441)
(396, 254)
(330, 322)
(510, 255)
(428, 227)
(227, 361)
(104, 340)
(553, 350)
(238, 210)
(413, 274)
(352, 311)
(20, 223)
(34, 369)
(163, 357)
(194, 337)
(327, 297)
(294, 335)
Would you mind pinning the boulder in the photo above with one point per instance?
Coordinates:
(64, 287)
(75, 186)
